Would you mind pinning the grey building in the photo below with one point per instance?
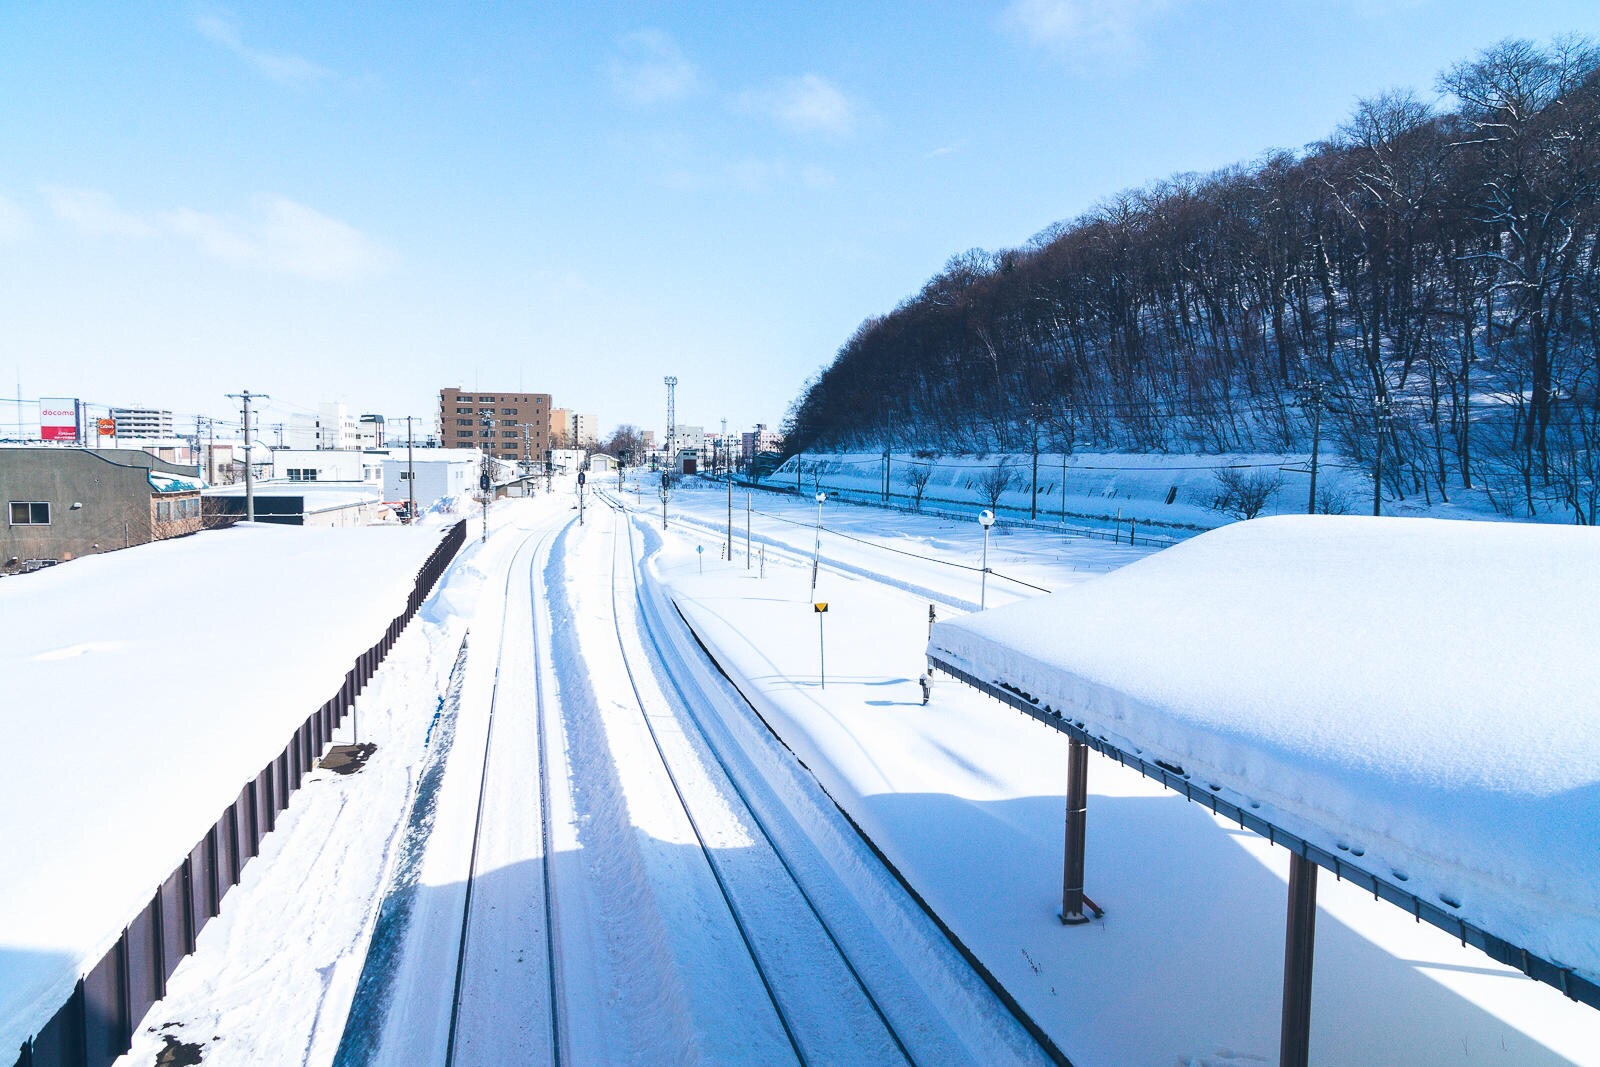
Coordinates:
(297, 504)
(61, 503)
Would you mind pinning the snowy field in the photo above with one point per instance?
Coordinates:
(963, 796)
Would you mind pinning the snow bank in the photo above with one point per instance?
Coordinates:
(1416, 692)
(143, 689)
(1175, 491)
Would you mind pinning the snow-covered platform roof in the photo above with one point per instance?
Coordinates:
(1418, 699)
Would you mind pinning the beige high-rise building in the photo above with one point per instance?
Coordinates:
(517, 427)
(574, 429)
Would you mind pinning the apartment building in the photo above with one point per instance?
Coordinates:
(574, 429)
(509, 426)
(140, 423)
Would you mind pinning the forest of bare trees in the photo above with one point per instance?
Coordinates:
(1425, 282)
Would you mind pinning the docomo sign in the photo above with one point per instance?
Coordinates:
(58, 419)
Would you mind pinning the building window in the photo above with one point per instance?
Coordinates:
(302, 474)
(463, 411)
(463, 433)
(486, 400)
(30, 513)
(163, 511)
(463, 422)
(405, 476)
(508, 411)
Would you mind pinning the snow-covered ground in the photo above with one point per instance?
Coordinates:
(963, 796)
(1161, 495)
(143, 690)
(966, 797)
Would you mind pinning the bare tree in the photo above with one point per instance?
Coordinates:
(993, 483)
(1243, 494)
(916, 478)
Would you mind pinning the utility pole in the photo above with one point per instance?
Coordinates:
(411, 475)
(729, 472)
(484, 479)
(205, 425)
(1033, 427)
(1382, 417)
(249, 466)
(1311, 397)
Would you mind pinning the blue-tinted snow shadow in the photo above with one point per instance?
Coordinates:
(35, 987)
(1193, 930)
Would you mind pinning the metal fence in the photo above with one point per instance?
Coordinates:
(95, 1026)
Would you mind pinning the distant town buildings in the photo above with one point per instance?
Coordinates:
(757, 441)
(332, 427)
(574, 429)
(370, 430)
(508, 426)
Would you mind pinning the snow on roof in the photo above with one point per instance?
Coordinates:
(172, 483)
(1422, 693)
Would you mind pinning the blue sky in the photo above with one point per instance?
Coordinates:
(367, 202)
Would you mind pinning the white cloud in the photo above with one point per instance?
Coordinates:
(93, 212)
(652, 69)
(284, 237)
(1075, 27)
(279, 235)
(280, 67)
(807, 104)
(14, 224)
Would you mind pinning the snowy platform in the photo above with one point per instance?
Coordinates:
(1420, 698)
(143, 689)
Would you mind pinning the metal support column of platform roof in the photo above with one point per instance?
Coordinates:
(1077, 824)
(1294, 1039)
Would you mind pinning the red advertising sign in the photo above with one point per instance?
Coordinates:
(58, 419)
(108, 427)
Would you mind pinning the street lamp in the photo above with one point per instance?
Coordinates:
(816, 548)
(986, 520)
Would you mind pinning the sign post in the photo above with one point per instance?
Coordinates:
(821, 608)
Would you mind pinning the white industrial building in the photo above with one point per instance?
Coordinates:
(440, 473)
(332, 427)
(327, 465)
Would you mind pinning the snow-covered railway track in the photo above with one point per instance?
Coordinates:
(480, 1030)
(827, 1011)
